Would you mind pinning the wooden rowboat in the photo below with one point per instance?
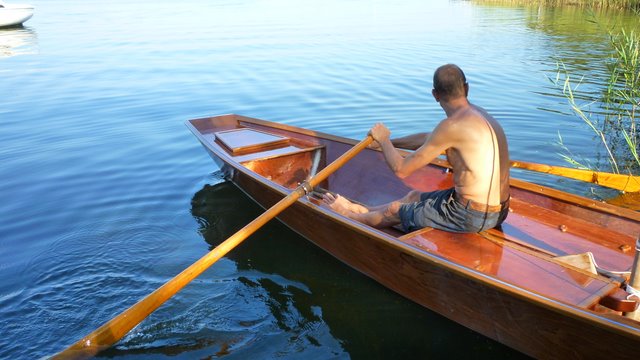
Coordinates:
(509, 284)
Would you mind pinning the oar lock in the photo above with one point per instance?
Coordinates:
(306, 187)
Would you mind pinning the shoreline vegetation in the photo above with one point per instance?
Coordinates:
(611, 109)
(612, 113)
(597, 4)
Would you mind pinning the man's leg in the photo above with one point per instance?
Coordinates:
(377, 216)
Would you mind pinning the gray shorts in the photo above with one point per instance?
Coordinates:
(440, 210)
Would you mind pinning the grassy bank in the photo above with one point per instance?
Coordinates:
(602, 4)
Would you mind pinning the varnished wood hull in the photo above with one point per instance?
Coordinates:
(514, 294)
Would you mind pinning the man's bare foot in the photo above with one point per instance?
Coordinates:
(337, 203)
(342, 205)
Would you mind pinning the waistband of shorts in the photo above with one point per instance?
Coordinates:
(474, 205)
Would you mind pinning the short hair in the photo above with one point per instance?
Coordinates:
(449, 82)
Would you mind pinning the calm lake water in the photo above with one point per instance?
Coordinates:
(106, 195)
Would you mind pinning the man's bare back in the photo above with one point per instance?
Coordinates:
(475, 156)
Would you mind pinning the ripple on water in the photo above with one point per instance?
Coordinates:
(86, 277)
(242, 314)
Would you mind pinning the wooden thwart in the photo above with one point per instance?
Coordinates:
(244, 141)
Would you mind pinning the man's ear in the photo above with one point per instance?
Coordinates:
(435, 95)
(466, 89)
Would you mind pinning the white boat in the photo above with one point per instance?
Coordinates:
(14, 14)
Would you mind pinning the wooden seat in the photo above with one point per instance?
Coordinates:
(246, 141)
(246, 145)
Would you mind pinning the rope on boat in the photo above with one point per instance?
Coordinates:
(634, 276)
(633, 285)
(610, 271)
(619, 272)
(632, 292)
(601, 269)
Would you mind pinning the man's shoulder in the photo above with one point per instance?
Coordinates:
(465, 117)
(474, 115)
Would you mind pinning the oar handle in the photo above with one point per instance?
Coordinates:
(621, 182)
(112, 331)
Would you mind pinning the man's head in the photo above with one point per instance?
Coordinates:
(449, 83)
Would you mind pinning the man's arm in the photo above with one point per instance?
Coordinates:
(410, 142)
(435, 143)
(380, 134)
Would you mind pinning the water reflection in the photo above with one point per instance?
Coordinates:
(18, 41)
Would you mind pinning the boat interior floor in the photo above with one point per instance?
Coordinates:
(549, 239)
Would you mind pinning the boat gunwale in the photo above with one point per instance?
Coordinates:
(529, 296)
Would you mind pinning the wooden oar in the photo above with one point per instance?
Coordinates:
(628, 183)
(621, 182)
(112, 331)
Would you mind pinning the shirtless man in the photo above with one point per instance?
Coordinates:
(477, 150)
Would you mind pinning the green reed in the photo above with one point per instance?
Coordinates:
(614, 119)
(602, 4)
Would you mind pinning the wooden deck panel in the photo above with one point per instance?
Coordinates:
(246, 140)
(535, 273)
(544, 228)
(622, 220)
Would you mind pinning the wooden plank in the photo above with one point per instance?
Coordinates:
(244, 140)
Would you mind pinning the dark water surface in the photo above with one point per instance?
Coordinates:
(106, 195)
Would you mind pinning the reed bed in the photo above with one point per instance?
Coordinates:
(613, 114)
(601, 4)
